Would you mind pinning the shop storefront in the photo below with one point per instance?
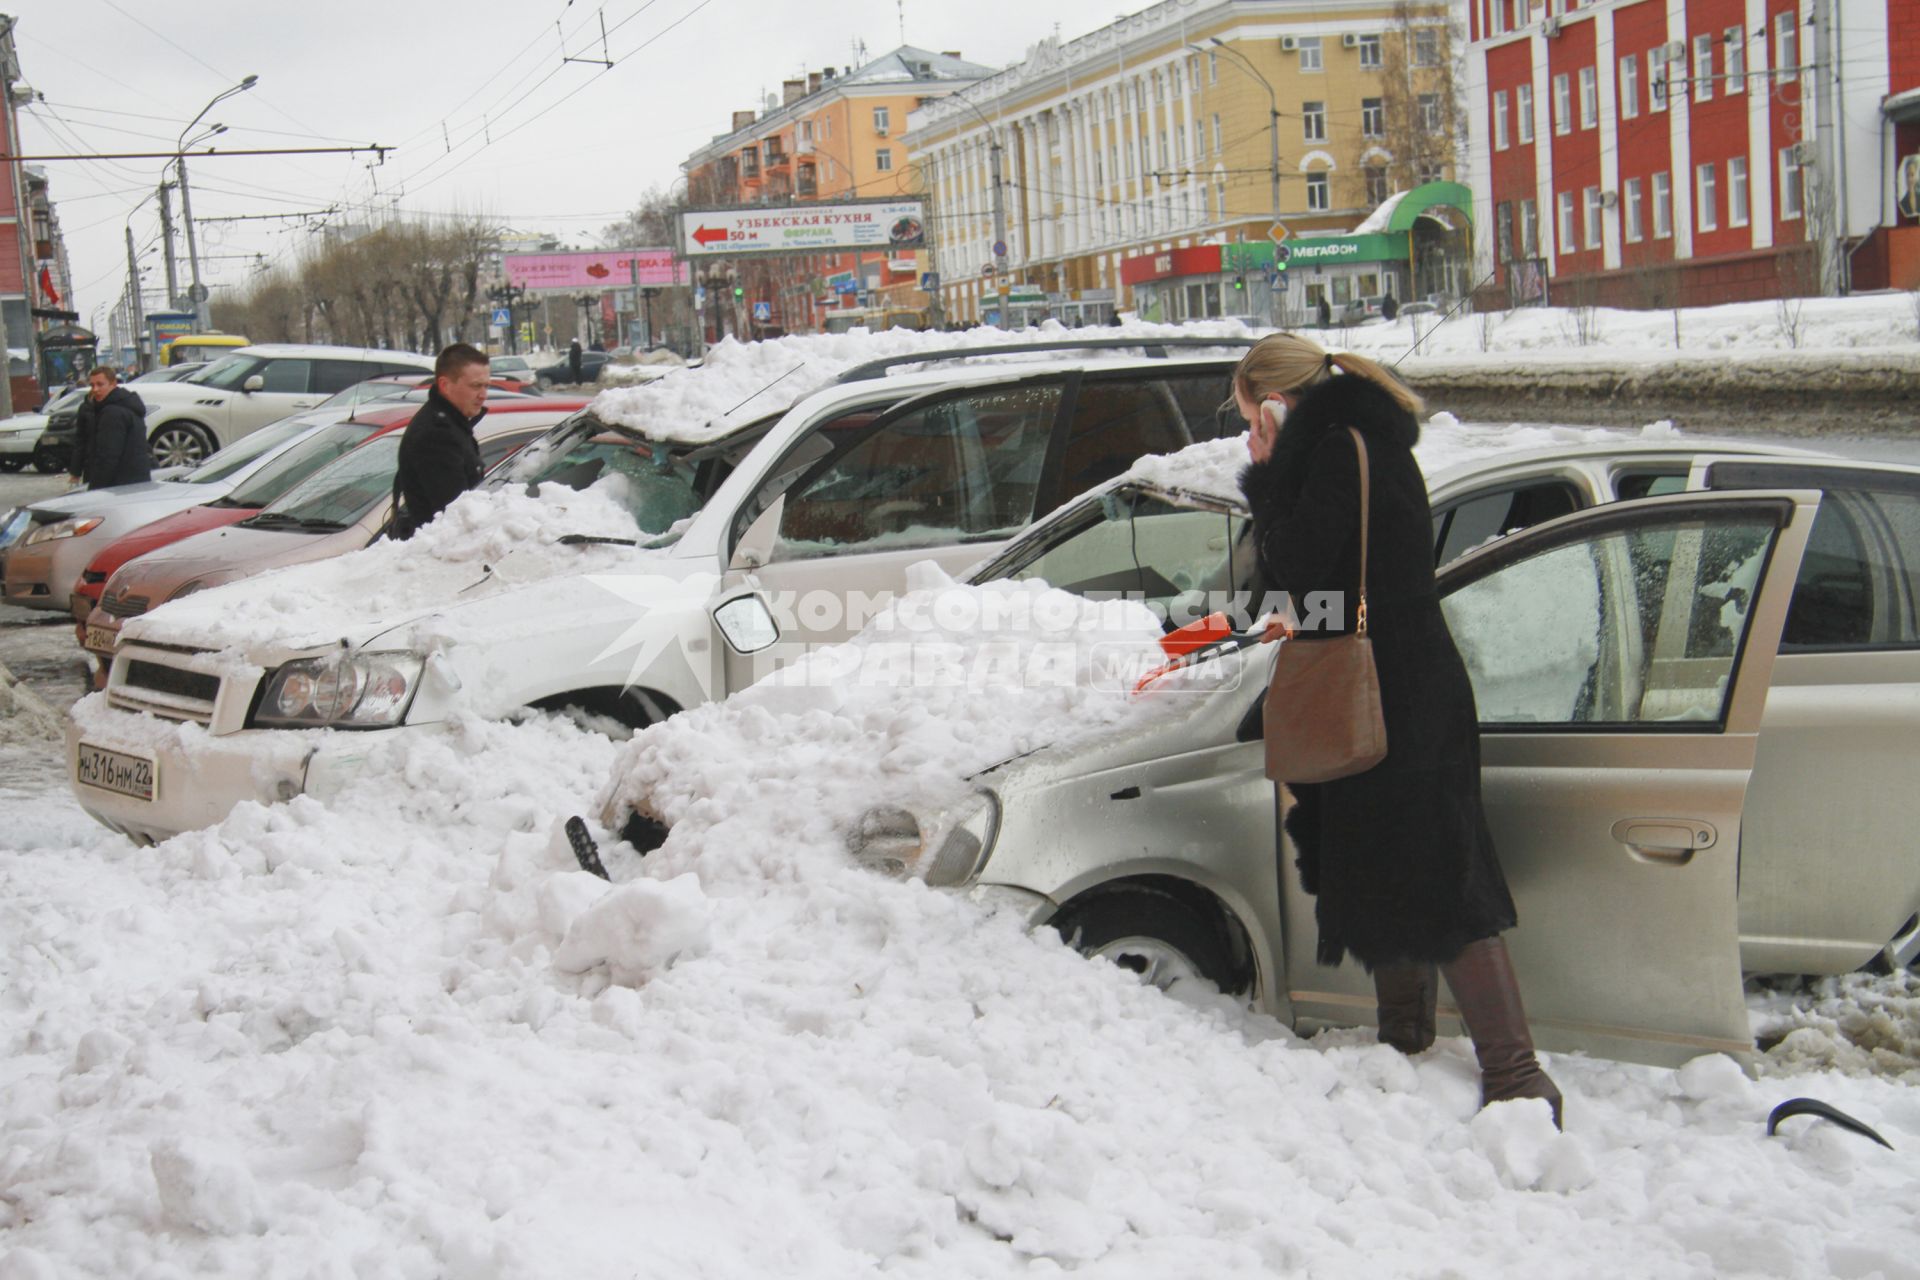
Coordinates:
(1352, 273)
(1206, 282)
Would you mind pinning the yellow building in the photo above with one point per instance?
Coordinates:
(829, 136)
(1157, 133)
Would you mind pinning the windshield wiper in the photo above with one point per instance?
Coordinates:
(583, 539)
(272, 520)
(230, 504)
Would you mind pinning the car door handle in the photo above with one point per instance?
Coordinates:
(1666, 841)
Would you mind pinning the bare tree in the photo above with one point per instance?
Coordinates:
(1485, 321)
(1581, 323)
(1419, 95)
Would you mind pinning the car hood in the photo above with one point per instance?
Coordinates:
(164, 532)
(491, 544)
(24, 422)
(165, 494)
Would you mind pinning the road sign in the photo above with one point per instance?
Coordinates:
(699, 297)
(1278, 232)
(999, 248)
(199, 292)
(929, 281)
(763, 311)
(502, 315)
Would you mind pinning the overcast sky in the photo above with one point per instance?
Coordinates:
(572, 145)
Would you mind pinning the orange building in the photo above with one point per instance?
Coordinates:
(829, 136)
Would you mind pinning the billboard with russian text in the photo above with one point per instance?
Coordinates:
(593, 272)
(884, 225)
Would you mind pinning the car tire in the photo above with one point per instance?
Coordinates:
(48, 458)
(545, 384)
(180, 444)
(1162, 937)
(12, 464)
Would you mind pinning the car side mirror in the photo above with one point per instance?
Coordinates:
(746, 624)
(254, 383)
(757, 543)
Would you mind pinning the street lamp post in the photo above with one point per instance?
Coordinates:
(999, 209)
(198, 291)
(1241, 61)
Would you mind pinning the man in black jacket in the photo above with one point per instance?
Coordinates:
(113, 450)
(439, 457)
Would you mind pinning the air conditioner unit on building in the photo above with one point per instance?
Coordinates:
(1677, 51)
(1349, 41)
(1288, 44)
(1550, 28)
(1803, 153)
(1608, 199)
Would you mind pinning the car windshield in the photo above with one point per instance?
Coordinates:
(361, 392)
(222, 465)
(657, 482)
(339, 494)
(296, 464)
(228, 372)
(517, 364)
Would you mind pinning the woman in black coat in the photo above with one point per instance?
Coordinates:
(1399, 857)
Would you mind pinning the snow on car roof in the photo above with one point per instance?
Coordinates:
(742, 381)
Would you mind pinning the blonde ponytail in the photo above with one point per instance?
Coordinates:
(1289, 363)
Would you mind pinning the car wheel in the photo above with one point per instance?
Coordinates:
(12, 464)
(545, 384)
(48, 458)
(179, 444)
(1162, 937)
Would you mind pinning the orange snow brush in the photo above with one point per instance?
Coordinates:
(1209, 638)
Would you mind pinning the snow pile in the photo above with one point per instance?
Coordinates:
(740, 382)
(1857, 1024)
(486, 540)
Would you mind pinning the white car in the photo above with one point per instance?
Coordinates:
(18, 436)
(254, 386)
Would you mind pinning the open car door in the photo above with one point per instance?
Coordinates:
(1620, 659)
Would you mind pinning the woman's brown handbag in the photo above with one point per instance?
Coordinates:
(1322, 713)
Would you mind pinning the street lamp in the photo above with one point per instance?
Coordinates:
(198, 291)
(1241, 61)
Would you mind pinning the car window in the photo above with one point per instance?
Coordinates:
(657, 484)
(1467, 522)
(287, 377)
(1183, 562)
(1629, 485)
(241, 452)
(497, 449)
(339, 494)
(1616, 627)
(331, 376)
(962, 468)
(228, 372)
(1202, 397)
(296, 464)
(378, 368)
(1115, 422)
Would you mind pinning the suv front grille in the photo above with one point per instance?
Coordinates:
(124, 606)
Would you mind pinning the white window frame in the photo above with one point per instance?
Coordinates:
(1319, 192)
(1426, 47)
(1735, 39)
(1657, 78)
(1213, 67)
(1563, 222)
(1499, 120)
(1663, 205)
(1314, 64)
(1592, 218)
(1635, 229)
(1589, 97)
(1739, 196)
(1706, 197)
(1216, 133)
(1375, 175)
(883, 159)
(1630, 86)
(1429, 104)
(1523, 113)
(882, 120)
(1529, 228)
(1792, 187)
(1703, 68)
(1313, 121)
(1786, 44)
(1370, 59)
(1562, 104)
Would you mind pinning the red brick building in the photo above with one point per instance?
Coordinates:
(1642, 152)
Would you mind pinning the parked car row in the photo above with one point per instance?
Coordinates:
(1698, 667)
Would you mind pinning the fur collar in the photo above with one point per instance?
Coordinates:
(1341, 401)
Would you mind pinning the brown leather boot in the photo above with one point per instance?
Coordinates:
(1483, 986)
(1406, 993)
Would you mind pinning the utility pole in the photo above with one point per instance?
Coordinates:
(133, 300)
(166, 240)
(196, 291)
(999, 229)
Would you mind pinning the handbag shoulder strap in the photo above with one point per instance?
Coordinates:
(1366, 494)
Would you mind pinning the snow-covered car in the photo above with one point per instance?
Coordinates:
(54, 538)
(254, 386)
(742, 511)
(1698, 711)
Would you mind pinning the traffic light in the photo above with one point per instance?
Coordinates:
(1240, 281)
(1280, 255)
(739, 292)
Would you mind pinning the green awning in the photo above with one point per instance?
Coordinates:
(1454, 195)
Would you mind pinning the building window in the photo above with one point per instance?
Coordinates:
(1426, 47)
(1662, 206)
(1790, 186)
(1702, 68)
(1736, 43)
(1376, 184)
(1592, 211)
(750, 163)
(1737, 211)
(1213, 68)
(1499, 118)
(1317, 194)
(1503, 232)
(1629, 86)
(1631, 199)
(1425, 171)
(1562, 104)
(1523, 113)
(1216, 133)
(883, 159)
(1529, 229)
(1369, 53)
(1563, 214)
(1430, 112)
(1310, 53)
(806, 131)
(1786, 44)
(881, 120)
(1589, 97)
(1313, 118)
(1706, 198)
(1657, 78)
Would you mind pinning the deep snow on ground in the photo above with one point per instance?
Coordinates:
(407, 1037)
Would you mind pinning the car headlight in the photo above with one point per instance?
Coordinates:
(364, 691)
(944, 848)
(77, 527)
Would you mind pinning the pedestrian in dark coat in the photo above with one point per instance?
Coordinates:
(439, 457)
(1325, 310)
(113, 449)
(1399, 857)
(573, 361)
(1389, 307)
